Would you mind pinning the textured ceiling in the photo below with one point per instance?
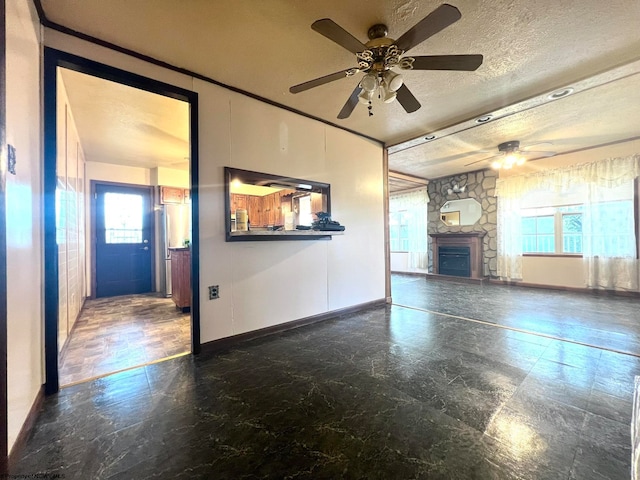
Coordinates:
(529, 48)
(126, 126)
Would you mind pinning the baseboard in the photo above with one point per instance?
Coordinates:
(27, 426)
(453, 278)
(216, 346)
(593, 291)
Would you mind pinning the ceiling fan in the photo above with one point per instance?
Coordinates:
(510, 154)
(381, 54)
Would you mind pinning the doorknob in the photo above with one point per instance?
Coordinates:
(145, 248)
(145, 241)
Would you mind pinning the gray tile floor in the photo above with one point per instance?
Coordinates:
(389, 393)
(605, 321)
(117, 333)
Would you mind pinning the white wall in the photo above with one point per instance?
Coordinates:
(25, 373)
(563, 271)
(170, 177)
(70, 229)
(267, 283)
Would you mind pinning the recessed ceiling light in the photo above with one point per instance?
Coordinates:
(429, 137)
(560, 93)
(484, 118)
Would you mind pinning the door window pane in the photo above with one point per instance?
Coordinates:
(123, 218)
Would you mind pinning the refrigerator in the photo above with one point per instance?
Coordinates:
(175, 228)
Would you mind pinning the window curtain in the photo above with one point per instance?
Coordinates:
(415, 204)
(608, 230)
(601, 181)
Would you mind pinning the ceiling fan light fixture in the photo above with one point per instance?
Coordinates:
(365, 97)
(392, 80)
(370, 82)
(388, 96)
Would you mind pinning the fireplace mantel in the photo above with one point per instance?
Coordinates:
(473, 240)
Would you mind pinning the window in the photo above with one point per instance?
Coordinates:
(399, 231)
(552, 230)
(123, 218)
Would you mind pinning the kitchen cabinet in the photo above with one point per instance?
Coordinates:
(181, 277)
(171, 195)
(238, 202)
(254, 209)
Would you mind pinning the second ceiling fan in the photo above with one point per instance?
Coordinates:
(381, 54)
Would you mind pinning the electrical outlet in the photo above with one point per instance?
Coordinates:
(214, 292)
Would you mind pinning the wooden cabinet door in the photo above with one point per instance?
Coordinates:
(278, 218)
(268, 209)
(254, 209)
(181, 278)
(238, 202)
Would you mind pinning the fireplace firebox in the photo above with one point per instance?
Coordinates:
(454, 261)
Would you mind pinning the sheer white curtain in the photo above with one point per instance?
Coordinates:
(609, 243)
(509, 232)
(608, 231)
(415, 204)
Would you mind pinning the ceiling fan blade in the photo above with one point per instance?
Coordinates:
(537, 154)
(537, 144)
(483, 160)
(351, 103)
(438, 20)
(336, 33)
(321, 81)
(407, 100)
(447, 62)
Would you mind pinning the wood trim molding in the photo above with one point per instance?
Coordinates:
(222, 344)
(27, 427)
(52, 59)
(4, 432)
(387, 241)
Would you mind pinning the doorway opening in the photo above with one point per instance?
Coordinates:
(115, 144)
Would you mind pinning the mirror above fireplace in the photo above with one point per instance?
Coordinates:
(465, 211)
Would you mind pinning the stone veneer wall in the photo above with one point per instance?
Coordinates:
(480, 185)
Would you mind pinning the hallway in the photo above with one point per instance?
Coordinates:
(117, 333)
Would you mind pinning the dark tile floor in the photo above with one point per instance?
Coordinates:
(611, 322)
(387, 393)
(117, 333)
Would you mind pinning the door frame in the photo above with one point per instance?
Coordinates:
(4, 441)
(92, 218)
(55, 58)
